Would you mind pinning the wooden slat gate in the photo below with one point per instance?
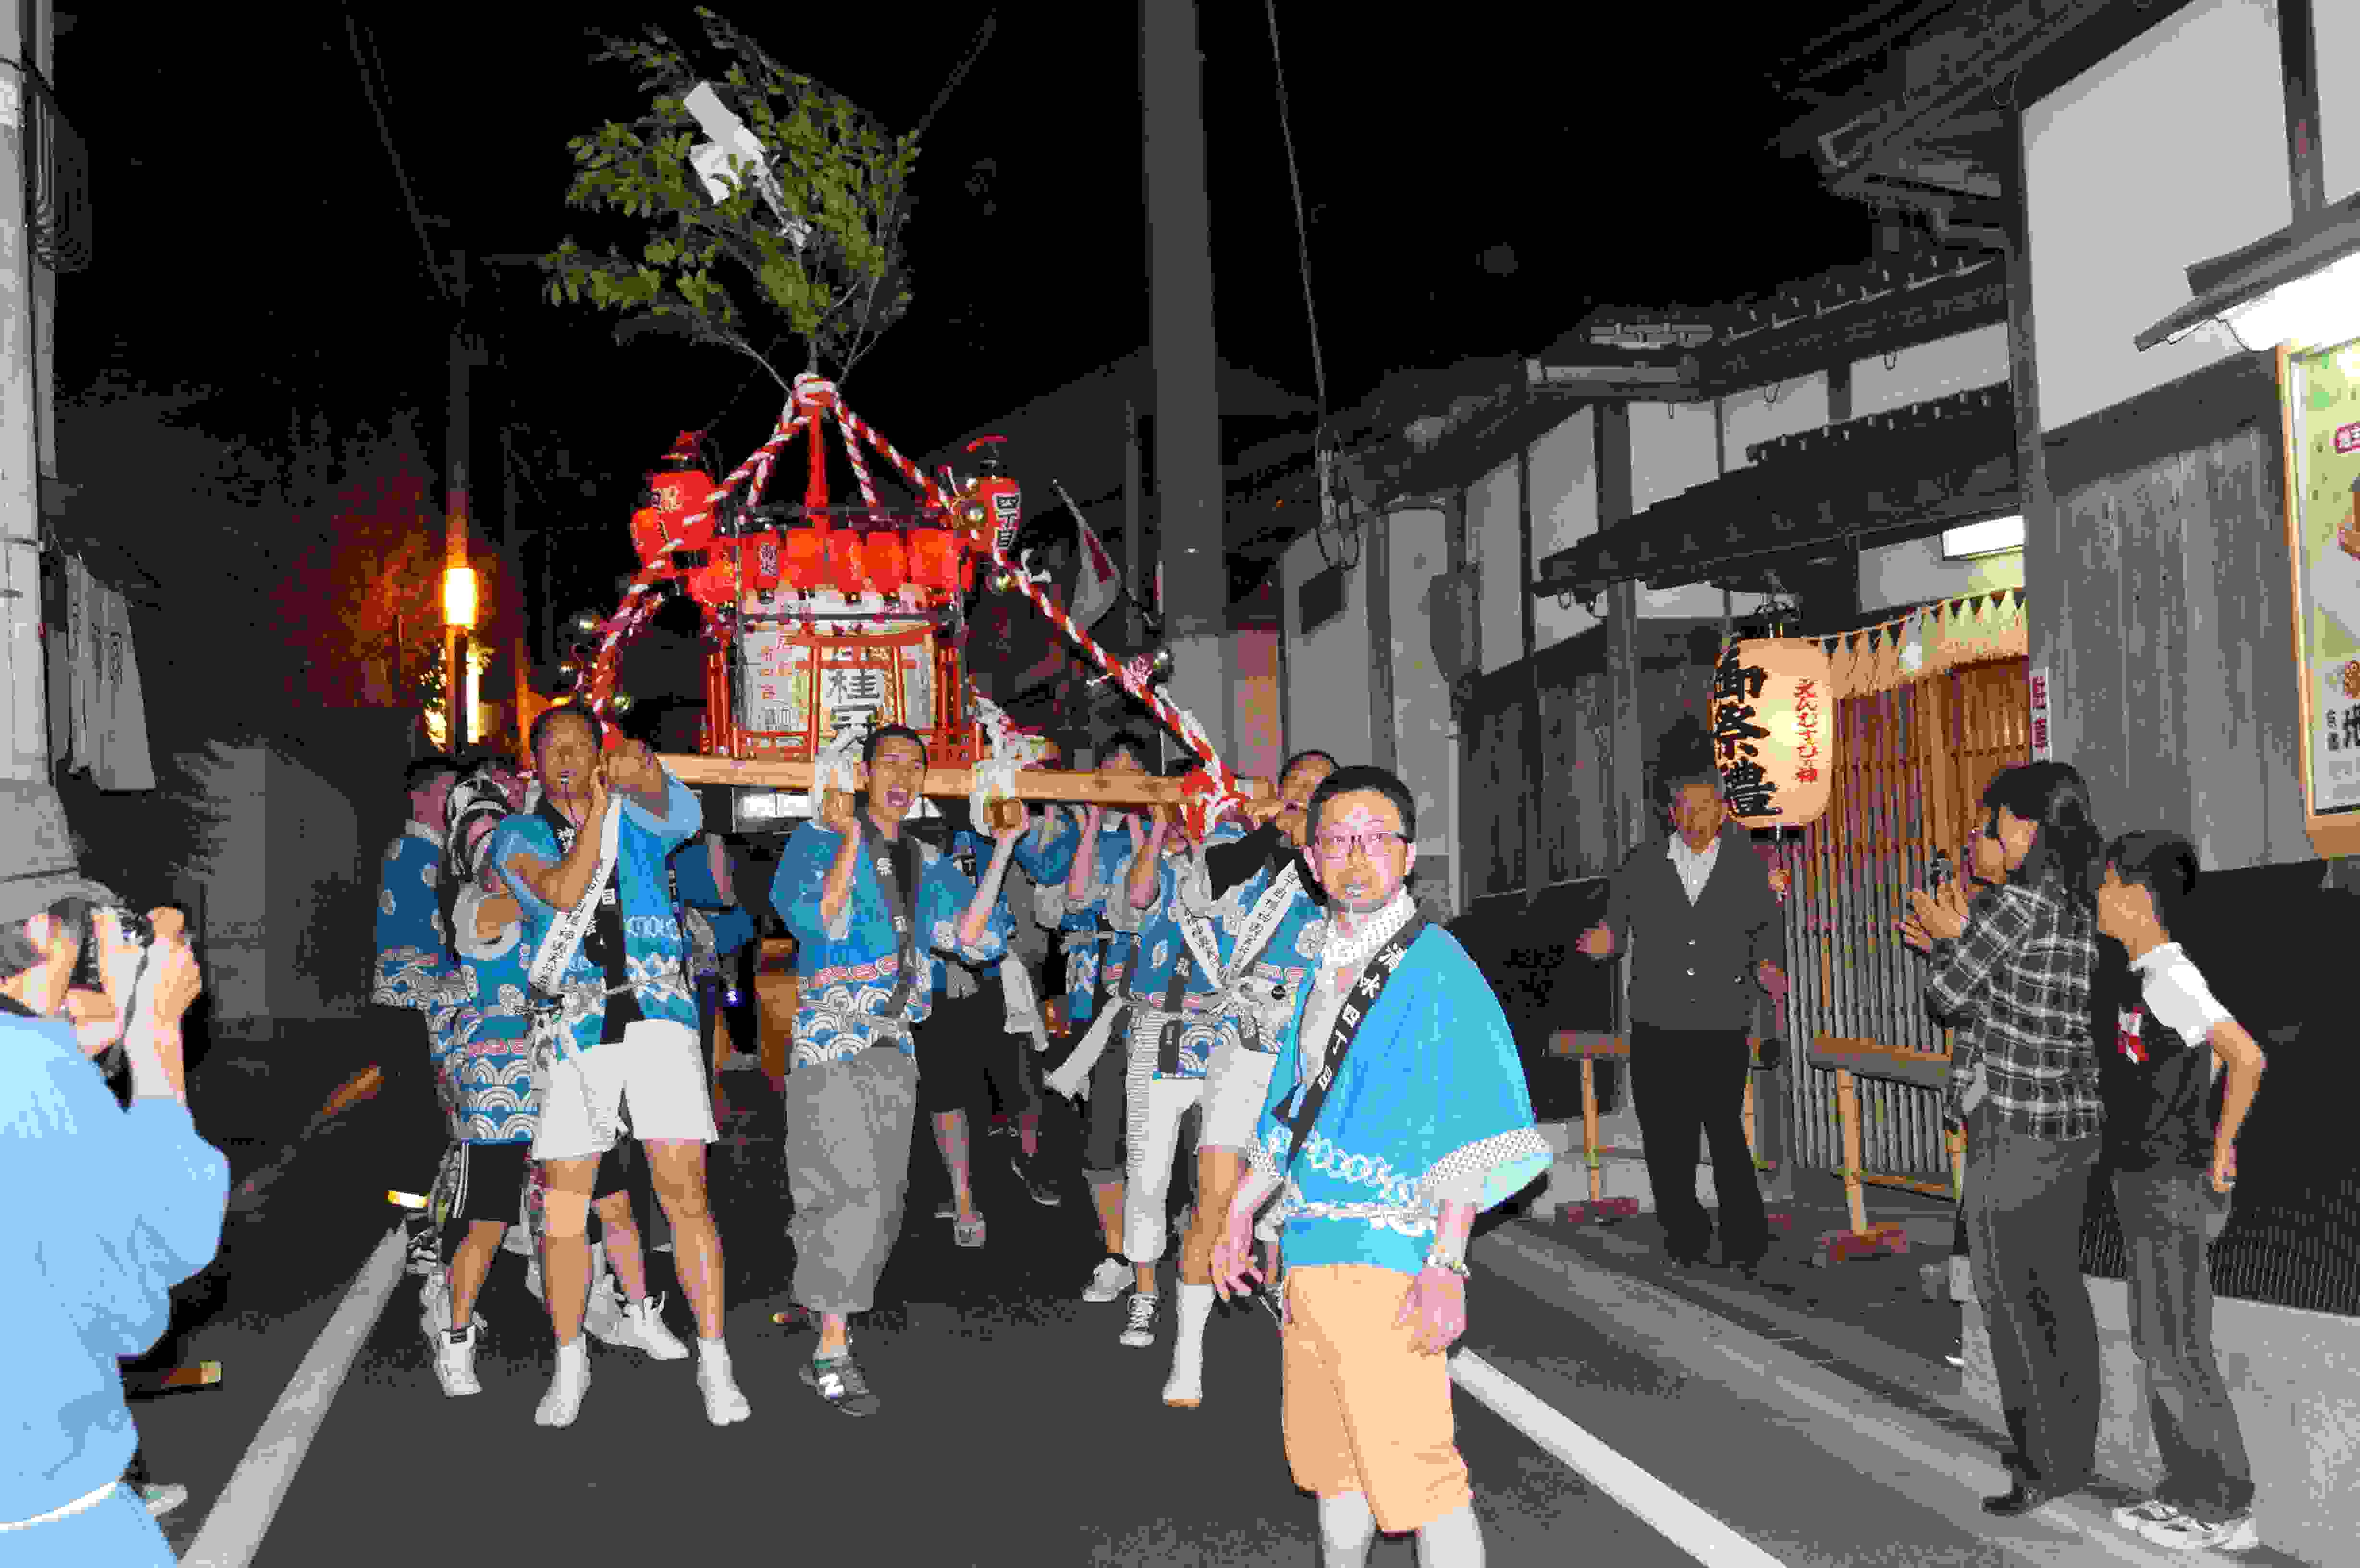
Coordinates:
(1910, 765)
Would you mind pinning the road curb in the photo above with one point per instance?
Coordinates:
(1713, 1347)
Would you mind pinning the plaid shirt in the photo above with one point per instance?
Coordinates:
(2016, 985)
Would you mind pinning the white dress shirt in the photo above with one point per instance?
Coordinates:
(1693, 868)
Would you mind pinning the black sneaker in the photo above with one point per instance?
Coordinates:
(839, 1382)
(1039, 1191)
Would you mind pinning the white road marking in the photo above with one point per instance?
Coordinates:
(1670, 1515)
(233, 1532)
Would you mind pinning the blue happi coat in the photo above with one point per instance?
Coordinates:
(654, 951)
(1156, 952)
(1046, 854)
(414, 968)
(1288, 960)
(847, 971)
(1092, 941)
(733, 928)
(1429, 1106)
(485, 1062)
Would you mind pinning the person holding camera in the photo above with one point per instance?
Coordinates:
(2015, 976)
(143, 1197)
(616, 1026)
(869, 905)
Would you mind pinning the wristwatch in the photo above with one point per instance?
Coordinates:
(1436, 1259)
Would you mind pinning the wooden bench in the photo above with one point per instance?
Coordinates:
(1590, 1046)
(1850, 1060)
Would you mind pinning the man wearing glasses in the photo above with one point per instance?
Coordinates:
(1397, 1113)
(1699, 909)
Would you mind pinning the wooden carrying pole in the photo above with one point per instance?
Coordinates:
(1032, 783)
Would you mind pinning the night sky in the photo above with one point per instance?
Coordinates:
(1475, 179)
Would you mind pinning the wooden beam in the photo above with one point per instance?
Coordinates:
(1628, 761)
(1033, 783)
(1938, 311)
(2299, 58)
(1378, 558)
(2049, 632)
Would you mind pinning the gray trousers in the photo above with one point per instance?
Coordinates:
(2024, 1202)
(2172, 1217)
(847, 1154)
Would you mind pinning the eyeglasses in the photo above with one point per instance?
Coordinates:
(1337, 845)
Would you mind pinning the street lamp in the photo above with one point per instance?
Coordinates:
(458, 666)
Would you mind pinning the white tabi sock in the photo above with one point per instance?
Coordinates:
(711, 1350)
(1196, 1310)
(1347, 1529)
(1454, 1540)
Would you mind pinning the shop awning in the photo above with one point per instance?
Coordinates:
(2226, 282)
(1928, 467)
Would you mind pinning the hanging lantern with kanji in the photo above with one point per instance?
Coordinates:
(1773, 730)
(680, 509)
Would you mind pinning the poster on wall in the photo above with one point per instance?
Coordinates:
(2322, 415)
(1773, 730)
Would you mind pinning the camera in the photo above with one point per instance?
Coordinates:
(137, 929)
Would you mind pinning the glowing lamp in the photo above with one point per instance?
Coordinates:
(843, 562)
(680, 498)
(806, 564)
(934, 559)
(649, 537)
(883, 557)
(459, 596)
(586, 623)
(1773, 730)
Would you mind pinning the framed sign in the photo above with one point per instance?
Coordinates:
(2319, 399)
(1774, 729)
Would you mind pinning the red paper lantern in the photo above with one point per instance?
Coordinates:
(648, 537)
(934, 559)
(844, 567)
(681, 497)
(760, 564)
(806, 565)
(882, 556)
(714, 585)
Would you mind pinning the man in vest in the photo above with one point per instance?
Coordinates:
(1700, 911)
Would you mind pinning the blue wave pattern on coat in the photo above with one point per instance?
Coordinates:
(1157, 952)
(848, 973)
(487, 1062)
(414, 968)
(1429, 1106)
(654, 954)
(1090, 942)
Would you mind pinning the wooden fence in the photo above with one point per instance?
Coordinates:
(1911, 764)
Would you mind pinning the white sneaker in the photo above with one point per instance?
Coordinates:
(1107, 1281)
(643, 1329)
(723, 1403)
(563, 1401)
(603, 1316)
(454, 1365)
(1139, 1325)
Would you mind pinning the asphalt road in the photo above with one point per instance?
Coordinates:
(1015, 1427)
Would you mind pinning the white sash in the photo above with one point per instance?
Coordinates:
(1194, 929)
(1071, 1079)
(1268, 910)
(565, 934)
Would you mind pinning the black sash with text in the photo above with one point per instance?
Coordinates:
(1358, 1005)
(902, 904)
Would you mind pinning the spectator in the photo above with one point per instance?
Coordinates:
(141, 1211)
(2015, 980)
(1696, 906)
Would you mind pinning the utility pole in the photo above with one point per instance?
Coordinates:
(457, 718)
(23, 726)
(1188, 478)
(1134, 560)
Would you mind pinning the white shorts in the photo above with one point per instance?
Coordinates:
(652, 1079)
(1237, 1084)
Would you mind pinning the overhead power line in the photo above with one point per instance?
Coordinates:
(400, 175)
